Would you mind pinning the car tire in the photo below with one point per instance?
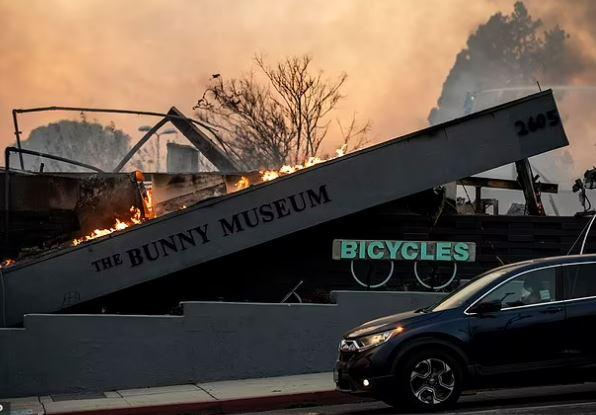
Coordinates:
(428, 380)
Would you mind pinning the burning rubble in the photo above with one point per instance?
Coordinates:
(135, 219)
(268, 175)
(101, 204)
(56, 210)
(138, 216)
(68, 209)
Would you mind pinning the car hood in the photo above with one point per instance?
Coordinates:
(407, 318)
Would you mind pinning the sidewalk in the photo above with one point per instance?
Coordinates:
(215, 397)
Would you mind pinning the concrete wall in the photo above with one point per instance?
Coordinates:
(211, 341)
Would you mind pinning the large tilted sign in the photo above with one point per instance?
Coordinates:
(219, 227)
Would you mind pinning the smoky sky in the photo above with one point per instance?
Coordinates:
(150, 54)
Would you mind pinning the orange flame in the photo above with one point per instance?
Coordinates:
(8, 262)
(242, 183)
(270, 174)
(148, 204)
(267, 175)
(135, 219)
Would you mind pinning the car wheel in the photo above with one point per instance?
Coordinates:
(429, 380)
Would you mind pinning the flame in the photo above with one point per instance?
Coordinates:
(148, 204)
(268, 175)
(242, 183)
(342, 150)
(8, 262)
(135, 219)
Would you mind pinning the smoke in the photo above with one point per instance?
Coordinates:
(152, 54)
(580, 107)
(509, 55)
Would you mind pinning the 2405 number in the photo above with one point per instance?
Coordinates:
(538, 122)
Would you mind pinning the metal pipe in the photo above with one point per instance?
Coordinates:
(138, 145)
(17, 133)
(49, 156)
(225, 146)
(168, 116)
(6, 191)
(110, 110)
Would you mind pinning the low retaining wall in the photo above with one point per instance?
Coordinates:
(211, 341)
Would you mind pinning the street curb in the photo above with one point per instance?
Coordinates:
(261, 403)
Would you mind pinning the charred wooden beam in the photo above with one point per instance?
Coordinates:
(505, 184)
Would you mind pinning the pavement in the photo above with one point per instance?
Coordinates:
(311, 394)
(213, 397)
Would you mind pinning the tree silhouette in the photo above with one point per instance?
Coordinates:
(505, 55)
(87, 142)
(283, 120)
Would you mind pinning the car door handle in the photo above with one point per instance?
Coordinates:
(552, 310)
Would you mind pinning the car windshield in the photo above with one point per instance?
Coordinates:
(462, 295)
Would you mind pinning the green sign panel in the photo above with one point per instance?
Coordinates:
(404, 250)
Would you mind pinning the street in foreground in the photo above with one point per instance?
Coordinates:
(560, 399)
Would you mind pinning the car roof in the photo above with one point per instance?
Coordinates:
(554, 260)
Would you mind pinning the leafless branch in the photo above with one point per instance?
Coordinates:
(282, 121)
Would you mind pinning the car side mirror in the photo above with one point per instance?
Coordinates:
(486, 307)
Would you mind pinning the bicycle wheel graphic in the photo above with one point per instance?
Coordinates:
(372, 274)
(435, 275)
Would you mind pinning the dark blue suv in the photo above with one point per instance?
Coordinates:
(529, 322)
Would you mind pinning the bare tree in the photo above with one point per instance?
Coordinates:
(354, 135)
(284, 120)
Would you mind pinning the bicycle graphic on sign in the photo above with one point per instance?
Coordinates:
(434, 262)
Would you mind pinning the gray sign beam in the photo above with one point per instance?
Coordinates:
(222, 226)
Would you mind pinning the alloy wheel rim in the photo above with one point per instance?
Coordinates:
(432, 381)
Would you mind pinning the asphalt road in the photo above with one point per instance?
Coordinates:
(566, 399)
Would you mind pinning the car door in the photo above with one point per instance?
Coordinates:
(526, 333)
(580, 293)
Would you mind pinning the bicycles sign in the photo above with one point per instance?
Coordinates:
(436, 255)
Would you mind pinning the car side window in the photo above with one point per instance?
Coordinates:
(534, 287)
(580, 281)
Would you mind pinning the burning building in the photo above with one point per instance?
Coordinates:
(258, 235)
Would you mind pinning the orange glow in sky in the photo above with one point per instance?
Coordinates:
(152, 54)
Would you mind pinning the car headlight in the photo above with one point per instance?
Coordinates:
(366, 342)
